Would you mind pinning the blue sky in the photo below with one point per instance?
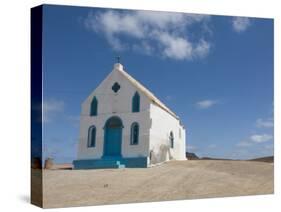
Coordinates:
(215, 72)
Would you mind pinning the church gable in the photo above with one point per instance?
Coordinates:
(116, 94)
(113, 83)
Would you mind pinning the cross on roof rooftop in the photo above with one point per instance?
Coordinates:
(118, 59)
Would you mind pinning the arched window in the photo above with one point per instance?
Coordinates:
(136, 103)
(94, 107)
(92, 136)
(171, 138)
(134, 133)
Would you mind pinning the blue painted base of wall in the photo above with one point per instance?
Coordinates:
(111, 162)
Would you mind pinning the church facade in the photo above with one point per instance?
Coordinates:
(124, 125)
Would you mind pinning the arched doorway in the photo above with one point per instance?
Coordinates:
(113, 137)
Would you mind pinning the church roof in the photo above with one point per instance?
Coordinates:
(144, 90)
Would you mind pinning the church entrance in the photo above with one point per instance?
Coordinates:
(113, 137)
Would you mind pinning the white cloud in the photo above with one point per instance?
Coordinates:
(212, 146)
(266, 123)
(162, 33)
(240, 24)
(168, 98)
(190, 148)
(174, 46)
(202, 49)
(261, 138)
(244, 144)
(204, 104)
(143, 47)
(50, 108)
(75, 120)
(269, 147)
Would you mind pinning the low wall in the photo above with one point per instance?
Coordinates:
(104, 163)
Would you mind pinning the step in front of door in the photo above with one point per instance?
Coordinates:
(98, 164)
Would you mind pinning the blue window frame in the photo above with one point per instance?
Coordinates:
(134, 134)
(136, 103)
(92, 136)
(171, 139)
(94, 107)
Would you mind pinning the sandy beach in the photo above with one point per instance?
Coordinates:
(174, 180)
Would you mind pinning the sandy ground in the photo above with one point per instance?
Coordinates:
(174, 180)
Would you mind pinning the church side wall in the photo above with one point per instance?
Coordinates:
(162, 124)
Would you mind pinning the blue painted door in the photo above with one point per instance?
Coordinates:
(113, 142)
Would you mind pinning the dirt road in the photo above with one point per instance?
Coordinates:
(174, 180)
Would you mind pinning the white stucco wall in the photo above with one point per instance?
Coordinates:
(112, 104)
(155, 124)
(162, 124)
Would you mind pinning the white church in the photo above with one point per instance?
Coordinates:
(124, 125)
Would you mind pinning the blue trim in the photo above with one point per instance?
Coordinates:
(116, 87)
(111, 162)
(92, 136)
(134, 132)
(107, 127)
(136, 103)
(94, 107)
(113, 117)
(172, 139)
